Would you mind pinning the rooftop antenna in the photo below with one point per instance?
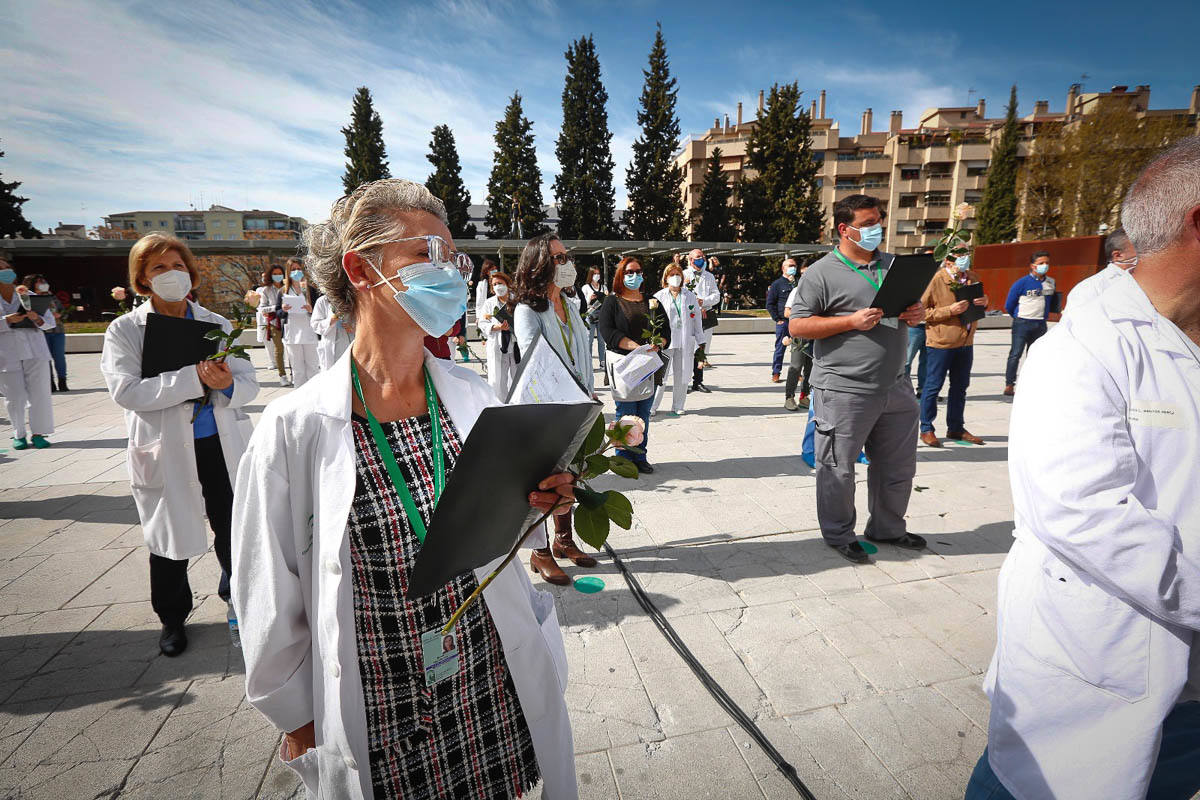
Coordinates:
(970, 92)
(1082, 78)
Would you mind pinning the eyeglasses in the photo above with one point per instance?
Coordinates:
(560, 258)
(440, 253)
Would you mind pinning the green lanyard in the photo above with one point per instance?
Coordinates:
(389, 458)
(567, 344)
(878, 271)
(678, 309)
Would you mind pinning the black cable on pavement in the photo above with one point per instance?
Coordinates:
(719, 694)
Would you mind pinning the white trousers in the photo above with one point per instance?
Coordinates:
(303, 358)
(28, 384)
(500, 367)
(679, 367)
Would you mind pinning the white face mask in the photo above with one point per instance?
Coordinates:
(172, 286)
(674, 281)
(501, 290)
(42, 287)
(596, 279)
(564, 275)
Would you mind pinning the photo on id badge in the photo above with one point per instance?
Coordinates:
(439, 655)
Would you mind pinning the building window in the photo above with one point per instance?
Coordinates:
(908, 201)
(145, 223)
(162, 223)
(216, 236)
(937, 198)
(906, 226)
(846, 183)
(849, 157)
(910, 174)
(976, 172)
(229, 223)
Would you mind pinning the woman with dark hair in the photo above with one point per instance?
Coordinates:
(593, 296)
(299, 338)
(56, 337)
(24, 362)
(271, 333)
(625, 318)
(495, 319)
(544, 271)
(483, 287)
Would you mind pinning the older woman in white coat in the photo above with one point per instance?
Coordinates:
(182, 455)
(501, 344)
(334, 332)
(334, 493)
(24, 363)
(687, 332)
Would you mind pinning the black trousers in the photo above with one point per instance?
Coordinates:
(170, 592)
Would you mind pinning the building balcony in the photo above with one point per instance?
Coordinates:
(972, 182)
(974, 151)
(939, 184)
(911, 212)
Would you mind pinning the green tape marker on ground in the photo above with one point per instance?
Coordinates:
(589, 584)
(870, 548)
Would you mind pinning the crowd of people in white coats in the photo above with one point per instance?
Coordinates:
(319, 510)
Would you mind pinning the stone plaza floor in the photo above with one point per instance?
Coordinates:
(866, 678)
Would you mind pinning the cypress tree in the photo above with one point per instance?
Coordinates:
(584, 186)
(653, 181)
(12, 218)
(998, 209)
(713, 218)
(446, 182)
(366, 156)
(780, 150)
(516, 181)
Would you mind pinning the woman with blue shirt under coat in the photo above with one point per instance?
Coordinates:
(182, 456)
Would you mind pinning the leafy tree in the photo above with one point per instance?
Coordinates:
(998, 209)
(12, 219)
(515, 185)
(446, 182)
(713, 218)
(1039, 188)
(653, 181)
(365, 153)
(584, 186)
(780, 151)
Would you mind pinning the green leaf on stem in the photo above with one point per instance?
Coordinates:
(592, 525)
(623, 467)
(588, 498)
(592, 443)
(619, 509)
(215, 334)
(596, 465)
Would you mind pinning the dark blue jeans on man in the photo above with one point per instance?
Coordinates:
(58, 352)
(637, 408)
(781, 332)
(1024, 333)
(916, 347)
(955, 362)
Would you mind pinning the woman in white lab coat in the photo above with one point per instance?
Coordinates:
(687, 331)
(325, 540)
(484, 287)
(24, 363)
(501, 345)
(181, 455)
(299, 338)
(335, 334)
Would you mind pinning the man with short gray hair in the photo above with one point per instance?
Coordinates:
(1121, 256)
(1096, 675)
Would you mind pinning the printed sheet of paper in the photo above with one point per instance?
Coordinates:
(542, 377)
(294, 304)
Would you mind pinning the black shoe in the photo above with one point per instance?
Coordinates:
(62, 385)
(702, 388)
(909, 541)
(53, 385)
(173, 640)
(645, 468)
(852, 552)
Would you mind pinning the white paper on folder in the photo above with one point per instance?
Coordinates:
(294, 304)
(636, 366)
(544, 378)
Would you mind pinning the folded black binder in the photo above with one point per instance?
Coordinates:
(39, 303)
(485, 508)
(905, 282)
(970, 293)
(172, 343)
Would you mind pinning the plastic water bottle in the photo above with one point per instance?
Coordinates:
(231, 617)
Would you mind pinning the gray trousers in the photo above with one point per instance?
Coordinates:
(885, 424)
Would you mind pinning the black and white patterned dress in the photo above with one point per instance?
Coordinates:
(465, 736)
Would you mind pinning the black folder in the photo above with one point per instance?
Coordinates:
(905, 282)
(39, 303)
(172, 343)
(971, 292)
(485, 508)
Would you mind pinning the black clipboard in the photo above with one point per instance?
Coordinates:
(970, 292)
(906, 280)
(39, 304)
(509, 451)
(172, 343)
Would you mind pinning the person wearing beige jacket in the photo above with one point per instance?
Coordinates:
(949, 350)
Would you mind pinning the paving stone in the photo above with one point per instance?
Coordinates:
(594, 774)
(671, 769)
(53, 582)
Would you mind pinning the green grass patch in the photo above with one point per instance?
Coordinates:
(85, 327)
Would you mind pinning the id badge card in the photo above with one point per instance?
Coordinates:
(439, 655)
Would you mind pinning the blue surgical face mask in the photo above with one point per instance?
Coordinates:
(963, 263)
(297, 274)
(1042, 269)
(8, 275)
(633, 280)
(436, 297)
(698, 263)
(277, 278)
(790, 272)
(868, 237)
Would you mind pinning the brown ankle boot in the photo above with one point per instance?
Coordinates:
(541, 562)
(564, 547)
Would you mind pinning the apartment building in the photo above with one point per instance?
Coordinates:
(921, 172)
(217, 223)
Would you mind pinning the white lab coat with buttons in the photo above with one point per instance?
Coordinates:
(1099, 598)
(158, 417)
(295, 601)
(334, 338)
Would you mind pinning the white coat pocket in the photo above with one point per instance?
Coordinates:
(1082, 630)
(304, 765)
(143, 461)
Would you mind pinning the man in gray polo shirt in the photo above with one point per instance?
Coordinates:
(860, 397)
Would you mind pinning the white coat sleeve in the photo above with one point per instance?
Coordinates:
(707, 290)
(121, 365)
(1073, 465)
(322, 316)
(481, 296)
(697, 323)
(272, 618)
(525, 326)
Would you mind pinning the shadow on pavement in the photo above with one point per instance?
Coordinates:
(73, 507)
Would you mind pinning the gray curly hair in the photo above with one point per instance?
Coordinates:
(359, 222)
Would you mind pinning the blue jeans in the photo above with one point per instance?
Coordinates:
(1024, 333)
(57, 343)
(916, 347)
(781, 331)
(639, 408)
(1175, 775)
(957, 362)
(593, 336)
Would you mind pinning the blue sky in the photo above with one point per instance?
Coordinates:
(118, 106)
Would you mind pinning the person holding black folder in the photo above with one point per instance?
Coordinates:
(183, 452)
(495, 318)
(24, 362)
(334, 496)
(949, 338)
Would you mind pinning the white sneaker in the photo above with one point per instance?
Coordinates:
(285, 382)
